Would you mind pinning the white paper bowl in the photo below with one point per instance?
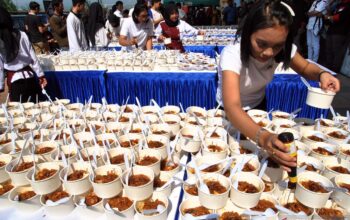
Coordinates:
(19, 178)
(153, 153)
(199, 112)
(88, 210)
(188, 204)
(139, 192)
(161, 129)
(115, 152)
(79, 186)
(111, 189)
(257, 113)
(106, 137)
(129, 213)
(51, 144)
(342, 149)
(161, 216)
(84, 137)
(48, 185)
(316, 97)
(165, 178)
(270, 198)
(174, 171)
(150, 109)
(212, 201)
(309, 198)
(27, 206)
(280, 115)
(328, 131)
(334, 162)
(216, 155)
(90, 151)
(342, 199)
(199, 161)
(59, 210)
(129, 137)
(170, 109)
(69, 150)
(332, 205)
(289, 197)
(230, 207)
(280, 124)
(219, 133)
(173, 122)
(219, 113)
(113, 127)
(187, 144)
(305, 139)
(322, 157)
(6, 158)
(316, 163)
(242, 199)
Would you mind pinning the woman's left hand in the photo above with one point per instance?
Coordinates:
(42, 82)
(329, 82)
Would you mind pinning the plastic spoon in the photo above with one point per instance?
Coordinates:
(306, 83)
(202, 185)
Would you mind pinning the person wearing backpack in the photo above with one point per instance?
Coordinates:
(313, 28)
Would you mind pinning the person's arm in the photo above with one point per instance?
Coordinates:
(150, 32)
(188, 29)
(149, 43)
(158, 32)
(123, 41)
(2, 75)
(241, 121)
(313, 72)
(54, 24)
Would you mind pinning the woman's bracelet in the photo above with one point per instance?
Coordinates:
(320, 73)
(258, 134)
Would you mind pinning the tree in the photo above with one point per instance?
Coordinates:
(8, 5)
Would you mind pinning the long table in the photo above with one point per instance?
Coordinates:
(286, 92)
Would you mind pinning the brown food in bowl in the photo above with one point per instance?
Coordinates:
(212, 169)
(191, 189)
(76, 175)
(268, 186)
(128, 109)
(91, 157)
(242, 150)
(248, 168)
(123, 119)
(198, 114)
(2, 142)
(337, 134)
(345, 186)
(110, 141)
(150, 204)
(2, 163)
(118, 159)
(215, 187)
(323, 123)
(247, 187)
(43, 150)
(282, 116)
(347, 152)
(314, 186)
(160, 132)
(315, 138)
(340, 169)
(264, 204)
(126, 144)
(158, 182)
(262, 124)
(138, 180)
(197, 211)
(61, 136)
(147, 160)
(309, 167)
(323, 151)
(166, 166)
(215, 135)
(136, 131)
(298, 207)
(170, 112)
(45, 174)
(329, 213)
(66, 155)
(5, 188)
(92, 199)
(22, 130)
(285, 126)
(171, 122)
(121, 203)
(215, 148)
(26, 195)
(55, 196)
(230, 216)
(23, 166)
(109, 177)
(187, 135)
(155, 144)
(193, 123)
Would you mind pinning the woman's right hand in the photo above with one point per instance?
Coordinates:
(277, 150)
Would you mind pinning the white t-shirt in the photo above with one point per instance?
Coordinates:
(184, 29)
(141, 31)
(101, 38)
(253, 79)
(156, 15)
(319, 6)
(118, 13)
(76, 33)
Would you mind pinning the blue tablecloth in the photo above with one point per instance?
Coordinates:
(172, 88)
(285, 92)
(76, 84)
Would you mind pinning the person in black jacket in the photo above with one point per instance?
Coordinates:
(339, 26)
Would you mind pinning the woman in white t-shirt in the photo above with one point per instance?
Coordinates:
(247, 67)
(97, 33)
(137, 31)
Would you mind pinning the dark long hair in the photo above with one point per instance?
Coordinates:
(266, 14)
(9, 35)
(139, 7)
(168, 11)
(95, 21)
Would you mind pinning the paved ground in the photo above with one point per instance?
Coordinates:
(341, 103)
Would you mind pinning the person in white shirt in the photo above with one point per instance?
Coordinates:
(119, 9)
(113, 25)
(247, 67)
(317, 9)
(144, 2)
(155, 14)
(138, 30)
(75, 27)
(174, 28)
(97, 33)
(182, 14)
(19, 62)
